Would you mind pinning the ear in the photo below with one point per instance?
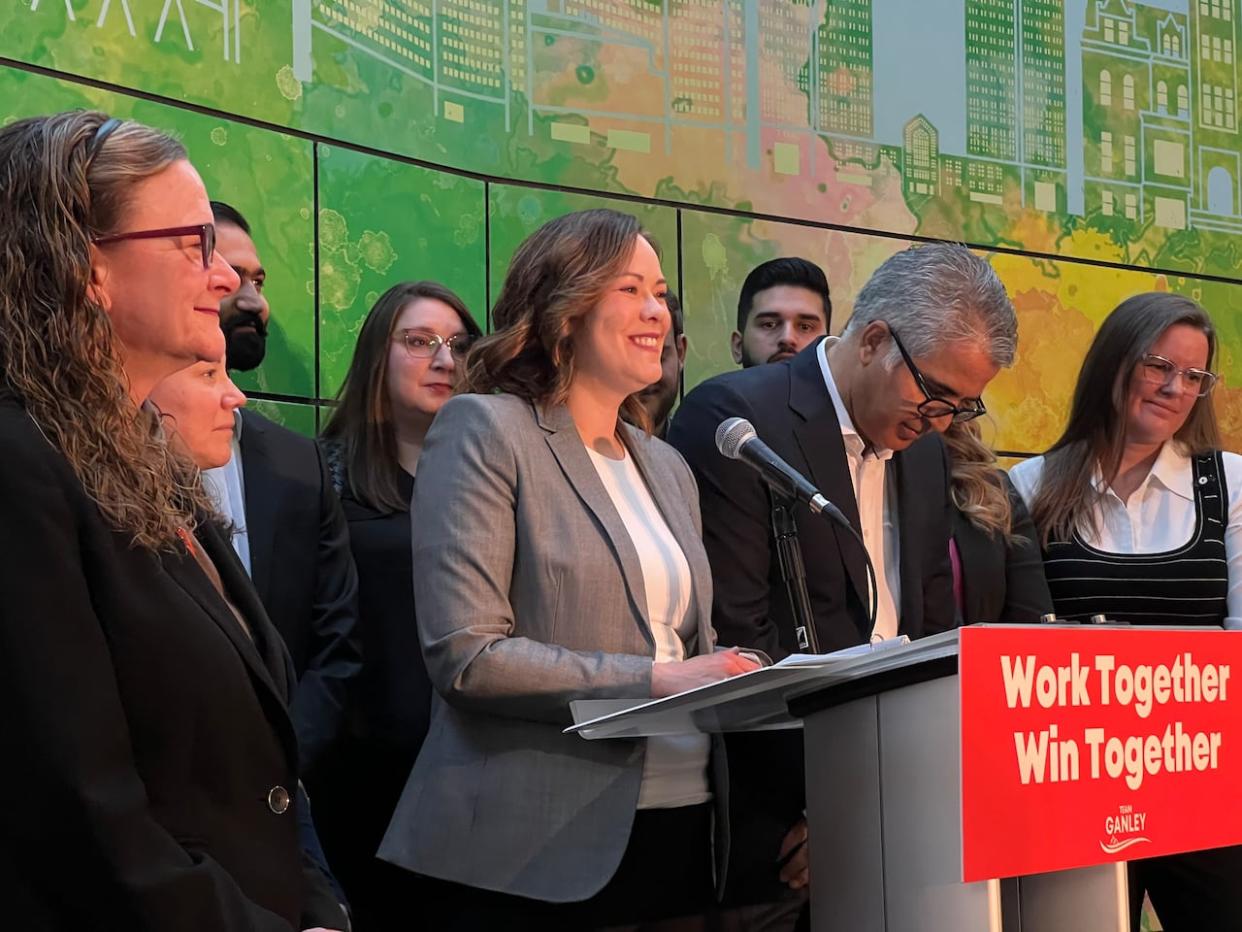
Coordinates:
(680, 344)
(735, 347)
(872, 342)
(97, 287)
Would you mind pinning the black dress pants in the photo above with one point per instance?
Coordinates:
(1196, 892)
(665, 874)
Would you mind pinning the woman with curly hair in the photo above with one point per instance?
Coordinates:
(151, 761)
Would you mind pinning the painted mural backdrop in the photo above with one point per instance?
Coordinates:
(1094, 142)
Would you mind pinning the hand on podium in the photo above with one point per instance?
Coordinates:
(668, 679)
(794, 860)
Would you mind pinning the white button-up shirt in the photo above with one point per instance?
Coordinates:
(877, 507)
(1160, 515)
(227, 487)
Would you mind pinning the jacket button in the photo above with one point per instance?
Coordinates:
(278, 799)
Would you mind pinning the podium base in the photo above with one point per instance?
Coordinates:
(890, 819)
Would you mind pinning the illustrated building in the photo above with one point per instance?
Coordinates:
(1137, 114)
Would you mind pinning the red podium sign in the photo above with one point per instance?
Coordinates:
(1088, 745)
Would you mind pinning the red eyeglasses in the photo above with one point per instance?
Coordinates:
(206, 233)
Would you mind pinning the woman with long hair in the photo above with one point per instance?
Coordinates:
(406, 365)
(558, 559)
(152, 760)
(998, 572)
(1139, 514)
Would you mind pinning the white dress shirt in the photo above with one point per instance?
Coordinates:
(1160, 515)
(227, 487)
(877, 507)
(675, 767)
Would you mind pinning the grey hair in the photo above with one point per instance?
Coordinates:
(937, 295)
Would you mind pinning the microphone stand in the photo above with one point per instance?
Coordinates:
(793, 572)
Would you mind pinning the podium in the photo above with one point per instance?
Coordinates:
(895, 818)
(930, 803)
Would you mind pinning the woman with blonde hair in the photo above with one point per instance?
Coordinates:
(152, 763)
(1139, 513)
(998, 572)
(558, 558)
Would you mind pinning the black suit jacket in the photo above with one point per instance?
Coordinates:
(360, 782)
(303, 570)
(145, 730)
(1002, 582)
(792, 411)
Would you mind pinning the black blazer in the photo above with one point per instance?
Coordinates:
(393, 707)
(791, 410)
(360, 781)
(301, 566)
(149, 746)
(1002, 582)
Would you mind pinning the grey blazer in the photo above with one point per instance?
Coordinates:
(530, 594)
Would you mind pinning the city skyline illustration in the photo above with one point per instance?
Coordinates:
(995, 91)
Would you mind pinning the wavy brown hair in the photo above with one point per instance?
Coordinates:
(61, 183)
(975, 482)
(558, 274)
(1095, 436)
(362, 423)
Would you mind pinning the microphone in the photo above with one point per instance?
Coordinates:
(736, 439)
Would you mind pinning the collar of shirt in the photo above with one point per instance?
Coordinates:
(854, 443)
(1171, 469)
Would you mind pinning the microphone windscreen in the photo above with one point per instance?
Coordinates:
(731, 434)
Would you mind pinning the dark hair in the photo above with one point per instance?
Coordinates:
(675, 312)
(66, 179)
(226, 213)
(362, 422)
(557, 275)
(789, 270)
(1094, 437)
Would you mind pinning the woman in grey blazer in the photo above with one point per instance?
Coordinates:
(557, 556)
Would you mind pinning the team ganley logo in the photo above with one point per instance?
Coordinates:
(1124, 830)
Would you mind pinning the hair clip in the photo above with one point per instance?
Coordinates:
(106, 129)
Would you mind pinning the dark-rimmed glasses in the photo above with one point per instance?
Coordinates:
(935, 408)
(424, 344)
(1157, 370)
(206, 233)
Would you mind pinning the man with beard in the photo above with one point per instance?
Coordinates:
(860, 416)
(290, 532)
(244, 313)
(784, 307)
(659, 397)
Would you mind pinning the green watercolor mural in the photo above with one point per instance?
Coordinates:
(1103, 130)
(301, 418)
(381, 222)
(515, 213)
(1037, 120)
